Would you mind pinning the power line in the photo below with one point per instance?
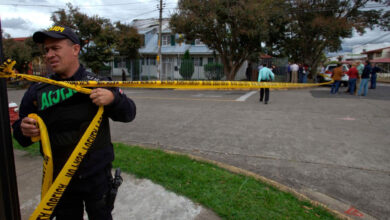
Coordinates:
(80, 6)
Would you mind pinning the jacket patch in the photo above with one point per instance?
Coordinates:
(49, 98)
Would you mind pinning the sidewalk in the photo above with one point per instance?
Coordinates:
(137, 198)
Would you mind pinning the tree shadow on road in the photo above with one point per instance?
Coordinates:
(380, 93)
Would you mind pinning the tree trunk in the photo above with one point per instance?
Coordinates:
(231, 69)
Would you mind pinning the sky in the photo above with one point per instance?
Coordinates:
(21, 18)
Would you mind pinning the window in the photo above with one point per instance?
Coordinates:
(152, 60)
(210, 60)
(198, 61)
(166, 40)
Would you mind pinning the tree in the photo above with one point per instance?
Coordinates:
(22, 52)
(127, 40)
(97, 35)
(186, 66)
(127, 43)
(233, 28)
(315, 27)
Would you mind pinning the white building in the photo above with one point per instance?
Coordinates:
(171, 51)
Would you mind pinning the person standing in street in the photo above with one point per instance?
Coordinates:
(300, 73)
(265, 75)
(123, 75)
(360, 68)
(337, 74)
(374, 71)
(288, 77)
(305, 73)
(353, 75)
(67, 114)
(364, 79)
(294, 73)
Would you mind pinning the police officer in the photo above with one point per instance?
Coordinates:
(67, 114)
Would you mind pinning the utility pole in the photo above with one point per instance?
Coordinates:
(9, 199)
(159, 58)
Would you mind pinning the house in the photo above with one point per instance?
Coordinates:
(172, 51)
(381, 57)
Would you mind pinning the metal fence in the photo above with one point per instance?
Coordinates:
(139, 70)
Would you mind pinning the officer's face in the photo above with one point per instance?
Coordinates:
(61, 55)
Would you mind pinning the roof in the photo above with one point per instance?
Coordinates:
(265, 56)
(380, 60)
(21, 39)
(374, 51)
(151, 47)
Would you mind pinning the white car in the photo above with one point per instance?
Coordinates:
(327, 76)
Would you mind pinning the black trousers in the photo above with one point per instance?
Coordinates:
(266, 91)
(91, 192)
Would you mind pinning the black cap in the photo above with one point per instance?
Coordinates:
(57, 32)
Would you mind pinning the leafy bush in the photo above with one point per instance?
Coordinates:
(187, 66)
(213, 71)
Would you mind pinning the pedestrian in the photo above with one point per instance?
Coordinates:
(305, 73)
(67, 116)
(353, 75)
(360, 68)
(300, 73)
(375, 70)
(248, 72)
(294, 73)
(265, 75)
(288, 78)
(337, 74)
(123, 75)
(364, 79)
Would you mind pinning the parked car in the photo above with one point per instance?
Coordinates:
(327, 76)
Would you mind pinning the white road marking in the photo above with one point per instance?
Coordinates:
(348, 118)
(200, 95)
(246, 96)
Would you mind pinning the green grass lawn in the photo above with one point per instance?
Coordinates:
(231, 196)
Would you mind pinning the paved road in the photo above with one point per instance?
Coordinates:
(333, 148)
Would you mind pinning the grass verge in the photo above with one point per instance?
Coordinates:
(229, 195)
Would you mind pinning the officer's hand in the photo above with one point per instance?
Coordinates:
(29, 127)
(101, 96)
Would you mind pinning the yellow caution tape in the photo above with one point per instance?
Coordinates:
(195, 85)
(47, 176)
(174, 84)
(53, 195)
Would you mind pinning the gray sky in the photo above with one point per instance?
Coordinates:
(21, 18)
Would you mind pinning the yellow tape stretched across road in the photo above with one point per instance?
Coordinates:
(196, 85)
(174, 84)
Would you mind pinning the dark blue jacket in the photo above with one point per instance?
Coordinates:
(122, 109)
(366, 72)
(375, 70)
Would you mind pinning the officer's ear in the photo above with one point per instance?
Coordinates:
(76, 49)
